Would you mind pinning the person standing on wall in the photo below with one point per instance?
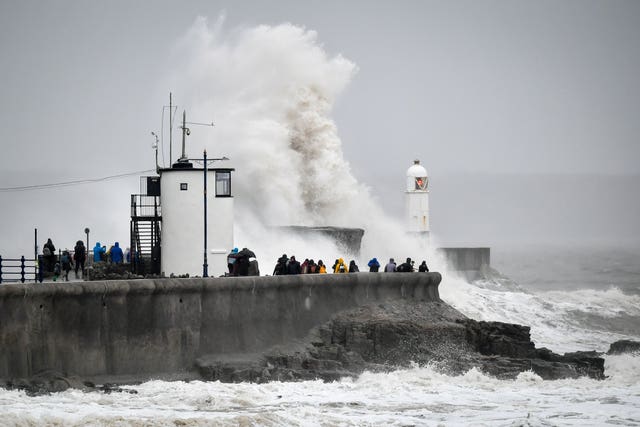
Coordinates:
(116, 254)
(374, 265)
(294, 266)
(49, 254)
(80, 256)
(390, 267)
(340, 267)
(322, 269)
(97, 252)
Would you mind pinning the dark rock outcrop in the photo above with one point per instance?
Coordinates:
(396, 334)
(46, 382)
(506, 349)
(624, 346)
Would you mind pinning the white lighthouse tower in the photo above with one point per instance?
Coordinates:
(417, 202)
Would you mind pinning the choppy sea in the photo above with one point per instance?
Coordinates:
(573, 299)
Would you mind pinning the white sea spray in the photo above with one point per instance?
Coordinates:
(270, 91)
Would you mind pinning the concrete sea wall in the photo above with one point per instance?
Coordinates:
(150, 327)
(467, 262)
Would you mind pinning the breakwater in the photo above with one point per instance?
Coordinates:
(152, 327)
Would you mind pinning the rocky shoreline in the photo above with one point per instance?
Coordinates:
(377, 338)
(397, 334)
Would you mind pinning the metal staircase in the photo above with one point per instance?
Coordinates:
(146, 222)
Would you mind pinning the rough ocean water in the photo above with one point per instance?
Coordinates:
(567, 318)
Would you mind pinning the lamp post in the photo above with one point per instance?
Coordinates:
(86, 231)
(205, 266)
(205, 161)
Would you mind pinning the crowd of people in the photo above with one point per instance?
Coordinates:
(242, 263)
(62, 264)
(289, 265)
(239, 262)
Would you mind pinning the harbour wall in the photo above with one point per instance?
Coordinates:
(469, 263)
(153, 327)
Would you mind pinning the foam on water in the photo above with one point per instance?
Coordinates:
(415, 396)
(562, 321)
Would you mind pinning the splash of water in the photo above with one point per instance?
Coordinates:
(271, 90)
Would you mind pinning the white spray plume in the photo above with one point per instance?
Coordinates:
(270, 91)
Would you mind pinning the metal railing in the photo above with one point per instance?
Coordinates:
(145, 206)
(20, 270)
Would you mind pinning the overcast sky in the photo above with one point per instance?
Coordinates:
(480, 91)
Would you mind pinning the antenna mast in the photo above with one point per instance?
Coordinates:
(185, 132)
(170, 126)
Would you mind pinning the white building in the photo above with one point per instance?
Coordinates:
(417, 201)
(182, 201)
(168, 221)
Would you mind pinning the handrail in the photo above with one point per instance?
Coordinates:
(19, 267)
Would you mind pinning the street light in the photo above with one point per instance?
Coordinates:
(205, 161)
(86, 231)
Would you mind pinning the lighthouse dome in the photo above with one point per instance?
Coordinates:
(416, 169)
(417, 178)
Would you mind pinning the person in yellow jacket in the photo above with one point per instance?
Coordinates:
(341, 267)
(321, 267)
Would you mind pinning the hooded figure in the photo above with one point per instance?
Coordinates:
(241, 266)
(422, 268)
(49, 254)
(231, 260)
(51, 248)
(374, 265)
(79, 255)
(340, 267)
(281, 266)
(390, 267)
(322, 269)
(116, 254)
(97, 252)
(294, 266)
(353, 267)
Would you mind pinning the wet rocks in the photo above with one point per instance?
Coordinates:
(506, 350)
(624, 346)
(48, 381)
(395, 334)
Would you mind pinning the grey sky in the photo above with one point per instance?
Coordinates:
(471, 88)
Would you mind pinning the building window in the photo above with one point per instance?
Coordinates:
(223, 184)
(183, 186)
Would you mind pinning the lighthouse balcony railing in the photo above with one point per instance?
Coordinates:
(144, 206)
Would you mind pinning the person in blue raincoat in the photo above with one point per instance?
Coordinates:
(117, 257)
(374, 265)
(97, 252)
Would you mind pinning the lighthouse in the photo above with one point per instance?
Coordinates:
(417, 202)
